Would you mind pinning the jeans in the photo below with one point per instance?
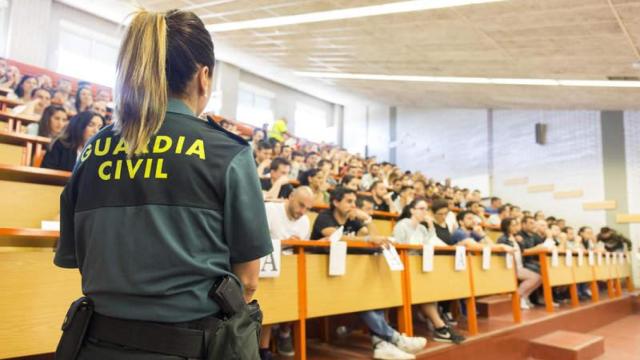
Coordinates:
(377, 324)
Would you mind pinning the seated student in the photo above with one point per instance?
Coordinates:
(531, 280)
(11, 79)
(381, 198)
(387, 342)
(84, 99)
(589, 241)
(468, 233)
(297, 162)
(310, 161)
(40, 99)
(256, 138)
(317, 181)
(342, 212)
(326, 167)
(52, 123)
(494, 206)
(531, 240)
(287, 220)
(503, 212)
(99, 107)
(44, 81)
(405, 196)
(286, 152)
(369, 178)
(263, 154)
(103, 95)
(440, 210)
(410, 230)
(66, 149)
(277, 186)
(396, 185)
(451, 220)
(350, 182)
(474, 208)
(25, 87)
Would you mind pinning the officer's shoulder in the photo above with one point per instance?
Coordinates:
(227, 134)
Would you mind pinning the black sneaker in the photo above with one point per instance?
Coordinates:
(285, 345)
(447, 335)
(446, 316)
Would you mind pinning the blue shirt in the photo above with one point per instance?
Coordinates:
(460, 235)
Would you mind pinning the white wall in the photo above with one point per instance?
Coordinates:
(445, 143)
(355, 129)
(632, 153)
(28, 31)
(455, 143)
(378, 133)
(570, 160)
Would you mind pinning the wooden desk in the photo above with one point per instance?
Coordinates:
(27, 239)
(6, 103)
(30, 147)
(29, 195)
(34, 298)
(15, 122)
(278, 297)
(34, 175)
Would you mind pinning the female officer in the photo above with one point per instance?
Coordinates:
(163, 214)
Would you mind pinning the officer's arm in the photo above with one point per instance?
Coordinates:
(246, 231)
(248, 272)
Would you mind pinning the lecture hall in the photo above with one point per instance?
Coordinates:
(320, 179)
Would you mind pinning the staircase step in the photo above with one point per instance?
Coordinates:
(494, 306)
(567, 345)
(635, 303)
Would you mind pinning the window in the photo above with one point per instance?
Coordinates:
(255, 106)
(311, 124)
(87, 55)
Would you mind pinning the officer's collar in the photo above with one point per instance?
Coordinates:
(178, 106)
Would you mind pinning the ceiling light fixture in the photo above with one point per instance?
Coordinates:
(341, 14)
(471, 80)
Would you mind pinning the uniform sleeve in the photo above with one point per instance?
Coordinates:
(66, 251)
(246, 230)
(456, 237)
(322, 222)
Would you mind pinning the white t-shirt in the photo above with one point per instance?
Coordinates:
(281, 227)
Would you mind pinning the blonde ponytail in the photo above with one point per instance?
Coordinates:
(141, 83)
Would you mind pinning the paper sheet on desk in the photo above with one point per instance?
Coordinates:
(338, 258)
(427, 257)
(461, 258)
(393, 259)
(486, 258)
(337, 235)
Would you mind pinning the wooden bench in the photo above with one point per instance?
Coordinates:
(21, 149)
(15, 122)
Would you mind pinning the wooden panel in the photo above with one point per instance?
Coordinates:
(624, 270)
(627, 218)
(383, 227)
(368, 284)
(582, 273)
(516, 181)
(443, 283)
(603, 272)
(11, 238)
(561, 274)
(11, 154)
(497, 280)
(540, 188)
(278, 297)
(568, 194)
(26, 205)
(34, 298)
(600, 205)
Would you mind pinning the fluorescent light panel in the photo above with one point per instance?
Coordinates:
(341, 14)
(471, 80)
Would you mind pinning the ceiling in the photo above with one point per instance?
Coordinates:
(556, 39)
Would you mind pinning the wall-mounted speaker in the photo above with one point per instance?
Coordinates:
(541, 133)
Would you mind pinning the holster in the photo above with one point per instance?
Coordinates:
(237, 337)
(74, 329)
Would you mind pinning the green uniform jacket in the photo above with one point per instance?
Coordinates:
(151, 234)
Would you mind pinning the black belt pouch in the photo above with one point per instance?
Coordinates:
(74, 329)
(237, 337)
